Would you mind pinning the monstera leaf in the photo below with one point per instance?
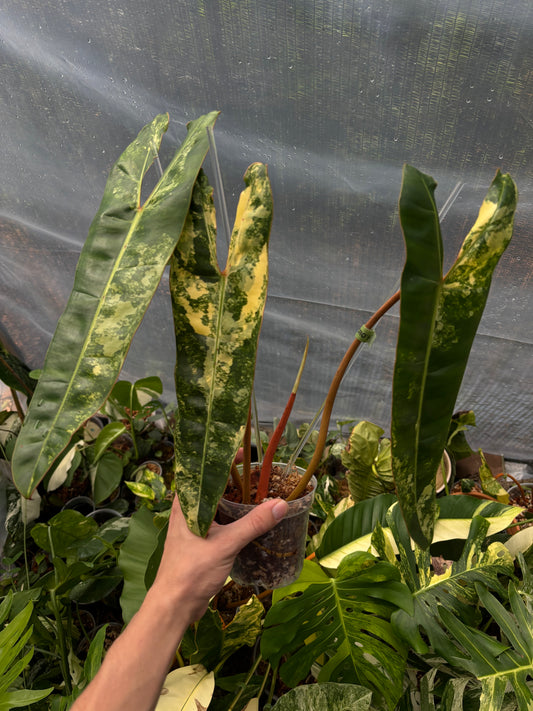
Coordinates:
(217, 318)
(453, 589)
(497, 664)
(15, 657)
(346, 618)
(439, 316)
(120, 266)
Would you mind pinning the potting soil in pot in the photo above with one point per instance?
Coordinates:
(276, 558)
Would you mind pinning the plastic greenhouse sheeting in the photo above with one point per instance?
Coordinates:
(335, 96)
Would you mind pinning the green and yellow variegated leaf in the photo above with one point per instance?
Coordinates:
(367, 459)
(353, 530)
(439, 317)
(453, 589)
(244, 629)
(120, 266)
(325, 697)
(217, 318)
(349, 617)
(497, 667)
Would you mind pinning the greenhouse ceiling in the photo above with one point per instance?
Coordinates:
(335, 96)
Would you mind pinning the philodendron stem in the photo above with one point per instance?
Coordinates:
(235, 477)
(246, 464)
(266, 468)
(246, 682)
(332, 394)
(18, 406)
(63, 653)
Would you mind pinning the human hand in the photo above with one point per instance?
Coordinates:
(193, 569)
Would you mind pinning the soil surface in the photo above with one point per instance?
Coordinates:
(280, 485)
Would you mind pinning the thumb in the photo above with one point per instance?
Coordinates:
(260, 520)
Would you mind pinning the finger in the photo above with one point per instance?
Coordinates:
(260, 520)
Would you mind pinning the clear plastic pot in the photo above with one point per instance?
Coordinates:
(276, 558)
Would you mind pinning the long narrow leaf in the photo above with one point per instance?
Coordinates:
(217, 317)
(119, 269)
(438, 322)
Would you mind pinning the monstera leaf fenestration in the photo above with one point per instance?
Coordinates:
(497, 664)
(452, 589)
(439, 316)
(347, 618)
(119, 269)
(217, 319)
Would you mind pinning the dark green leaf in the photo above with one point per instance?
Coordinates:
(63, 531)
(355, 523)
(133, 559)
(438, 321)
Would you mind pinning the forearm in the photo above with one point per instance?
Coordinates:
(136, 665)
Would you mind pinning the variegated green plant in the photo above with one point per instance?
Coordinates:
(503, 667)
(368, 462)
(120, 266)
(217, 318)
(345, 622)
(439, 316)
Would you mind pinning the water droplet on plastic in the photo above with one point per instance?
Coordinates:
(395, 139)
(500, 156)
(489, 100)
(468, 101)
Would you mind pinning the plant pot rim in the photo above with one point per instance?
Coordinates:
(295, 505)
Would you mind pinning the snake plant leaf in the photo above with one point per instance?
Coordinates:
(217, 318)
(119, 269)
(439, 317)
(347, 618)
(497, 665)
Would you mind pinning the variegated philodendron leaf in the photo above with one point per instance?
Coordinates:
(439, 317)
(119, 269)
(217, 318)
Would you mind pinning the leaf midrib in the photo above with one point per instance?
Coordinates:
(138, 214)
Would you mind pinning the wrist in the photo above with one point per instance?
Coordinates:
(177, 605)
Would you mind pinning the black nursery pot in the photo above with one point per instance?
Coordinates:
(276, 558)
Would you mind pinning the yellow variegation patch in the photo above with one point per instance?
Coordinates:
(217, 318)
